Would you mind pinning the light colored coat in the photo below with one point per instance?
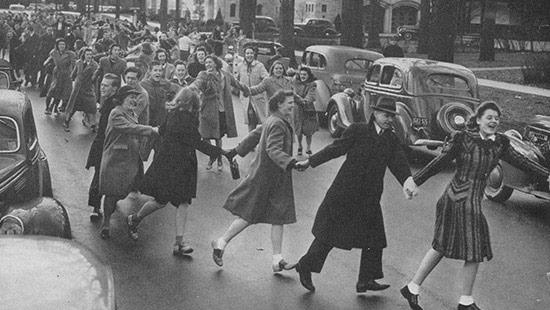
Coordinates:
(252, 75)
(212, 91)
(270, 85)
(266, 194)
(121, 160)
(62, 86)
(83, 95)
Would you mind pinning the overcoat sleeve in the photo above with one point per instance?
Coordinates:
(260, 88)
(514, 158)
(99, 71)
(398, 164)
(121, 123)
(274, 146)
(338, 147)
(250, 142)
(448, 154)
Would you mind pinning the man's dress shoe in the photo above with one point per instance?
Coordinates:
(371, 285)
(305, 278)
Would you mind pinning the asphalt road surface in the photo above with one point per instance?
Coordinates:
(148, 276)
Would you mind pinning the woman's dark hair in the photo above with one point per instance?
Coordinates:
(180, 62)
(199, 49)
(113, 46)
(98, 47)
(480, 110)
(79, 44)
(278, 98)
(59, 40)
(277, 62)
(310, 78)
(216, 60)
(254, 50)
(160, 50)
(82, 52)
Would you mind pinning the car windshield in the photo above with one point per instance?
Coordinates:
(358, 64)
(4, 80)
(9, 135)
(444, 84)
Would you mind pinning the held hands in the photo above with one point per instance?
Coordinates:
(246, 91)
(229, 154)
(410, 188)
(301, 165)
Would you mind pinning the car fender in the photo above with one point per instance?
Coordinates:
(322, 96)
(525, 148)
(345, 113)
(402, 124)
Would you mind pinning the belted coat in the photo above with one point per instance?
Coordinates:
(350, 215)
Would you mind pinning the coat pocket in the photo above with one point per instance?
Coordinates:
(458, 191)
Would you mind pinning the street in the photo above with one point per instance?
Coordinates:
(148, 276)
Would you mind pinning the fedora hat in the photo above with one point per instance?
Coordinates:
(385, 104)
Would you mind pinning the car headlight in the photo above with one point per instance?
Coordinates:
(453, 116)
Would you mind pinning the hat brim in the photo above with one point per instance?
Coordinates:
(385, 110)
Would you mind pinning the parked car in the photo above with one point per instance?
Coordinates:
(24, 169)
(7, 76)
(535, 145)
(315, 27)
(407, 32)
(264, 28)
(434, 99)
(336, 68)
(43, 272)
(266, 50)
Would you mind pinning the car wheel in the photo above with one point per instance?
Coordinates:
(408, 36)
(495, 189)
(330, 32)
(334, 130)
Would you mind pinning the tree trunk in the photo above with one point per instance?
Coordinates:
(487, 47)
(163, 15)
(374, 35)
(178, 11)
(96, 6)
(81, 7)
(117, 9)
(352, 27)
(247, 16)
(425, 24)
(443, 31)
(287, 31)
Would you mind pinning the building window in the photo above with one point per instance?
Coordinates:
(259, 9)
(403, 15)
(232, 10)
(310, 7)
(323, 8)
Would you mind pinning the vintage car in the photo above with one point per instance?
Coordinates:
(266, 50)
(43, 272)
(434, 99)
(7, 76)
(336, 68)
(407, 32)
(315, 27)
(535, 145)
(24, 169)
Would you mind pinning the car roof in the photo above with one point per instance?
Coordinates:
(12, 102)
(44, 270)
(262, 42)
(404, 62)
(337, 49)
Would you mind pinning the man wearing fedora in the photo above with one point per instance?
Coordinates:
(350, 215)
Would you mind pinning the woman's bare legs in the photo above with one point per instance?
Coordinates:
(469, 273)
(277, 238)
(181, 219)
(299, 138)
(309, 138)
(430, 260)
(220, 162)
(234, 229)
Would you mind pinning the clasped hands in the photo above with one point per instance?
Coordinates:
(301, 165)
(410, 188)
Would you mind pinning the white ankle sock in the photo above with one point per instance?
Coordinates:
(466, 300)
(277, 258)
(221, 244)
(413, 288)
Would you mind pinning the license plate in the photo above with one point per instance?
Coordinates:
(420, 121)
(537, 137)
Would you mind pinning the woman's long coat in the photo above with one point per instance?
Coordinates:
(266, 194)
(350, 215)
(83, 95)
(270, 85)
(62, 85)
(251, 75)
(305, 116)
(212, 92)
(121, 160)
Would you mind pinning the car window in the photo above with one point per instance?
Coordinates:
(9, 135)
(314, 60)
(444, 84)
(358, 64)
(4, 80)
(30, 129)
(392, 76)
(373, 75)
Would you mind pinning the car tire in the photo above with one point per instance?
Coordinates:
(329, 32)
(496, 190)
(334, 130)
(408, 36)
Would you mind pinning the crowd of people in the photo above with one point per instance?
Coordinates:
(178, 96)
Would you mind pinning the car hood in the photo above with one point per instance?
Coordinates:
(41, 272)
(9, 163)
(541, 121)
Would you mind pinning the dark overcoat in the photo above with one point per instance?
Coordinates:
(266, 194)
(62, 86)
(96, 150)
(350, 215)
(83, 95)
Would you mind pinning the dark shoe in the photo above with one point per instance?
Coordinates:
(105, 234)
(61, 109)
(132, 228)
(209, 165)
(370, 285)
(48, 112)
(181, 249)
(299, 151)
(411, 298)
(66, 126)
(217, 253)
(308, 153)
(470, 307)
(283, 265)
(305, 278)
(95, 216)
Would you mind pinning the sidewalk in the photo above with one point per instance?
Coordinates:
(515, 87)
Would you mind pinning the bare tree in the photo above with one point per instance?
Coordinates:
(425, 26)
(374, 35)
(178, 10)
(247, 16)
(487, 47)
(352, 28)
(163, 15)
(287, 30)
